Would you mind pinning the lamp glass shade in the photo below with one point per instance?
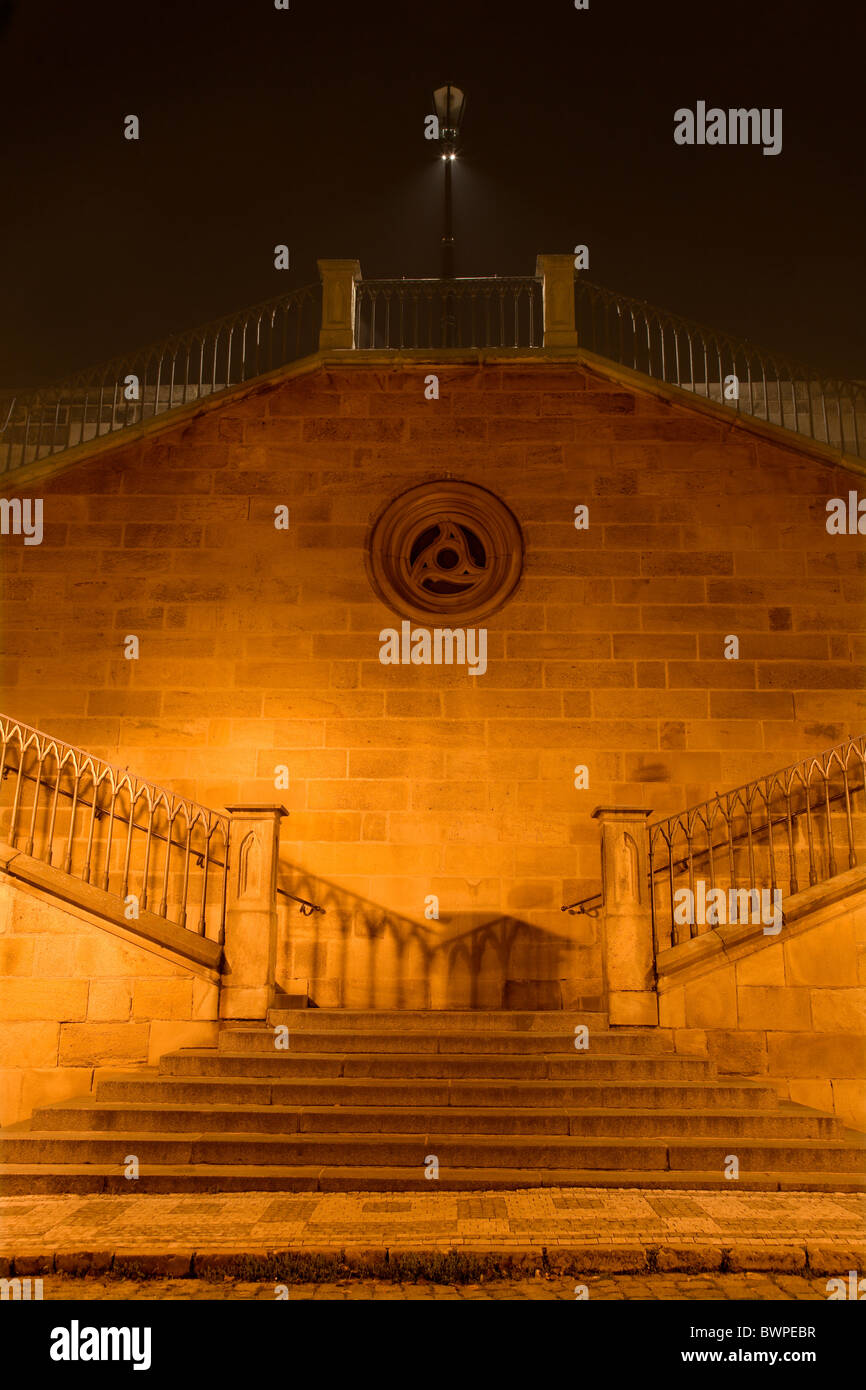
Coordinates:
(450, 104)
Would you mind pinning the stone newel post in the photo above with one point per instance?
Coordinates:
(250, 947)
(628, 933)
(338, 303)
(557, 272)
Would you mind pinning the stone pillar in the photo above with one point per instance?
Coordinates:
(250, 946)
(338, 303)
(557, 272)
(627, 940)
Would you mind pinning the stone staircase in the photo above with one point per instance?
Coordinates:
(360, 1100)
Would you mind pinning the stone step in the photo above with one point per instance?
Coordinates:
(25, 1179)
(151, 1088)
(349, 1150)
(435, 1020)
(255, 1040)
(206, 1062)
(86, 1114)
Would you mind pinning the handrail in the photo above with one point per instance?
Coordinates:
(305, 903)
(493, 311)
(414, 313)
(578, 908)
(10, 726)
(112, 863)
(754, 803)
(734, 372)
(856, 743)
(146, 382)
(100, 812)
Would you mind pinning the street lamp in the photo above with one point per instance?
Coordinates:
(450, 104)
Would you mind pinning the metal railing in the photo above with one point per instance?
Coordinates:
(64, 806)
(494, 312)
(768, 386)
(781, 832)
(184, 368)
(504, 312)
(775, 832)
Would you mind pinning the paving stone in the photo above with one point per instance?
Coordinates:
(688, 1230)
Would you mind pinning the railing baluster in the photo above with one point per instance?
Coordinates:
(53, 817)
(831, 848)
(792, 856)
(28, 844)
(163, 902)
(202, 926)
(89, 851)
(124, 884)
(16, 804)
(67, 862)
(151, 811)
(109, 836)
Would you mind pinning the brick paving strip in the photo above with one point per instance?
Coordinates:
(318, 1237)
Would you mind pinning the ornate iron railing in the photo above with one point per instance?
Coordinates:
(736, 374)
(64, 806)
(780, 832)
(135, 387)
(503, 312)
(495, 312)
(784, 832)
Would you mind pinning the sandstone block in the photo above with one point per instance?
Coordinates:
(711, 1002)
(839, 1010)
(823, 955)
(765, 966)
(824, 1055)
(849, 1102)
(162, 999)
(774, 1006)
(95, 1044)
(16, 955)
(818, 1095)
(109, 1001)
(29, 1044)
(166, 1037)
(11, 1108)
(42, 999)
(42, 1087)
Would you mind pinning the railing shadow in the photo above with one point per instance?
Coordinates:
(361, 955)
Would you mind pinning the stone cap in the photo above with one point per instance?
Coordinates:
(341, 265)
(630, 811)
(273, 807)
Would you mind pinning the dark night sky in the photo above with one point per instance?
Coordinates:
(306, 127)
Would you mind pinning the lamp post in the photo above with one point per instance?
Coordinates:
(450, 104)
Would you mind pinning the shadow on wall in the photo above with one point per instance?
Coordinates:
(359, 955)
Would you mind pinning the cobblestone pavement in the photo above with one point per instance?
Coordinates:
(629, 1287)
(780, 1231)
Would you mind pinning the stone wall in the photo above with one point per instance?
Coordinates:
(259, 648)
(791, 1009)
(76, 996)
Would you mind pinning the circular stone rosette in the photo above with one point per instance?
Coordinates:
(446, 550)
